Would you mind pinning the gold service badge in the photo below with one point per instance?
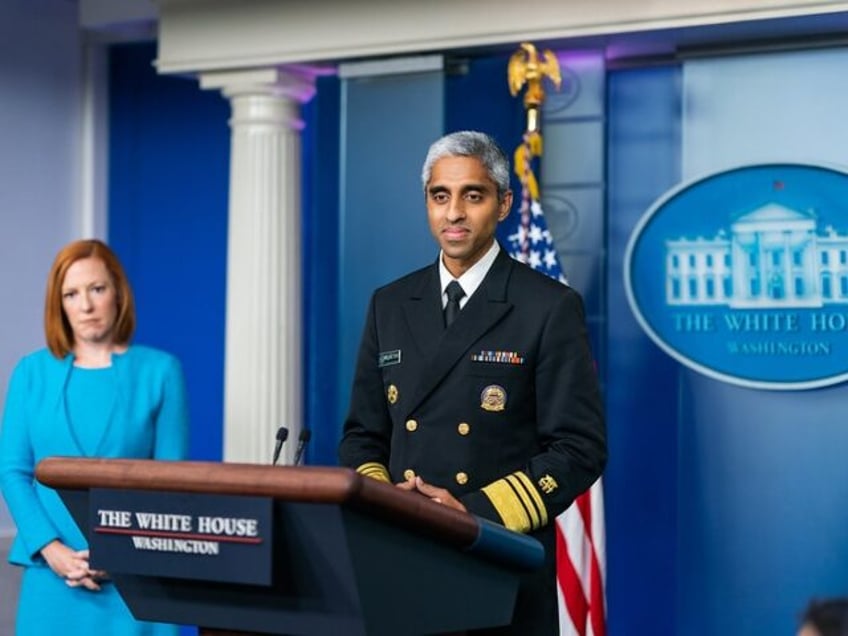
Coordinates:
(493, 398)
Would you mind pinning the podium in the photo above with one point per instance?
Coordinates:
(328, 552)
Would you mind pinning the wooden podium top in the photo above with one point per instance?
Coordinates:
(307, 484)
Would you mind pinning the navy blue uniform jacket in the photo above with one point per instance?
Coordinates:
(502, 408)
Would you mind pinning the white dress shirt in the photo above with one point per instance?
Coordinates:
(471, 279)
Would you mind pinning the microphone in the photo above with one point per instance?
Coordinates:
(282, 436)
(302, 441)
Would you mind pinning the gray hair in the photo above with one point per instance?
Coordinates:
(470, 143)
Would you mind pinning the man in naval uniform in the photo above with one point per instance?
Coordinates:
(474, 383)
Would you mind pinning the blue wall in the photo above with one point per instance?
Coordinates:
(477, 98)
(168, 185)
(641, 381)
(320, 270)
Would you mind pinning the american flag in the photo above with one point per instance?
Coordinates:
(532, 244)
(581, 557)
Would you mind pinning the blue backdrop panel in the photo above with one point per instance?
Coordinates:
(763, 506)
(763, 494)
(477, 98)
(388, 123)
(168, 176)
(641, 381)
(573, 184)
(320, 143)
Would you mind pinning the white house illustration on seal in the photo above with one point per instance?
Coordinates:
(773, 258)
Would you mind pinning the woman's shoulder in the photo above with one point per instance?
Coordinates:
(40, 359)
(146, 355)
(147, 365)
(39, 367)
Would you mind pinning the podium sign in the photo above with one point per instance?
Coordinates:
(351, 555)
(179, 535)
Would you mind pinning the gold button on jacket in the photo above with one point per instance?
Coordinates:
(463, 428)
(411, 425)
(408, 474)
(461, 479)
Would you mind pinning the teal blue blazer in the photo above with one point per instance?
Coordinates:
(150, 422)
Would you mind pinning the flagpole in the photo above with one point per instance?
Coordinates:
(581, 551)
(526, 68)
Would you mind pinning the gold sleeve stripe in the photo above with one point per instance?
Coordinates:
(514, 482)
(375, 470)
(508, 505)
(530, 497)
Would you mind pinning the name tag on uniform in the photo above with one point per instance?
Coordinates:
(388, 358)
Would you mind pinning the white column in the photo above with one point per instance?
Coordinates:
(263, 325)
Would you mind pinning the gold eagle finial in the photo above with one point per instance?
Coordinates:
(526, 67)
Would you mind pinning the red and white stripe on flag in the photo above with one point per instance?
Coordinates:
(581, 565)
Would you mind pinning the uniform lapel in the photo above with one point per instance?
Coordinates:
(484, 310)
(423, 311)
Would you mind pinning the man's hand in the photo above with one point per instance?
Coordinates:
(439, 495)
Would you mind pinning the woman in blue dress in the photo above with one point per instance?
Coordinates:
(89, 393)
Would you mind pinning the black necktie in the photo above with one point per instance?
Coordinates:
(455, 292)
